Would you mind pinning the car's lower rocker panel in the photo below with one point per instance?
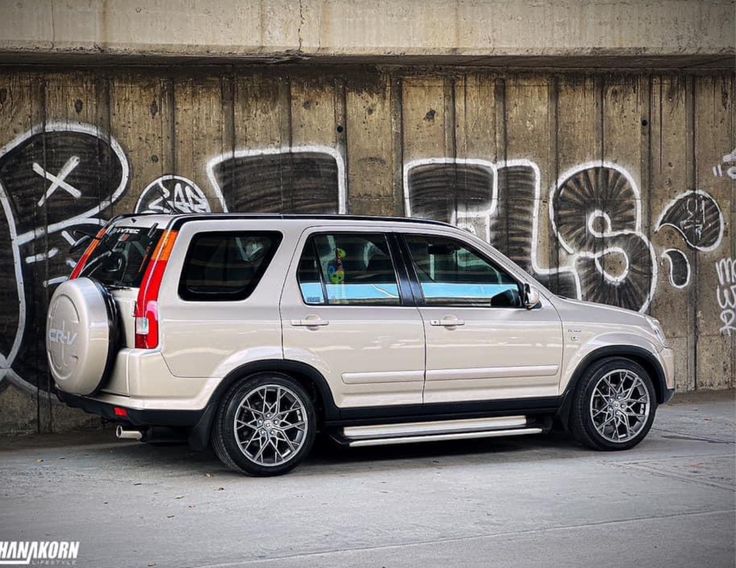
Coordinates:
(441, 437)
(438, 430)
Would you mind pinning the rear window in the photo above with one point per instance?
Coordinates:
(226, 266)
(121, 258)
(348, 269)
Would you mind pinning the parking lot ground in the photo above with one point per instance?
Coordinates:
(533, 501)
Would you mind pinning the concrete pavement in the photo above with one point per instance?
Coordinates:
(518, 502)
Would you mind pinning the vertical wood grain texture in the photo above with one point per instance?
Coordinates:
(286, 139)
(370, 147)
(668, 178)
(713, 133)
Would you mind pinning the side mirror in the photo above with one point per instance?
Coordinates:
(531, 297)
(79, 243)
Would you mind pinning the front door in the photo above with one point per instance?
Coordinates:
(344, 312)
(482, 344)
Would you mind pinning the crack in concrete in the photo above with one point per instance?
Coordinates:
(675, 435)
(299, 28)
(467, 538)
(678, 476)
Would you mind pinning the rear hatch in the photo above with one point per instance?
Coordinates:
(95, 313)
(119, 260)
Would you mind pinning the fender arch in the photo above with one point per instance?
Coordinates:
(310, 377)
(638, 354)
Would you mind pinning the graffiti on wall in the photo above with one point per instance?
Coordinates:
(595, 215)
(726, 294)
(172, 194)
(297, 179)
(727, 166)
(62, 176)
(679, 267)
(53, 179)
(697, 217)
(59, 177)
(594, 210)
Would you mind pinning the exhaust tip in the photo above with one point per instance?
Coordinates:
(123, 433)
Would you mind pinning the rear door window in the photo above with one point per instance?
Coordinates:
(348, 269)
(226, 266)
(121, 257)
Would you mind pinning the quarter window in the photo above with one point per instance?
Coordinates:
(226, 266)
(348, 269)
(452, 274)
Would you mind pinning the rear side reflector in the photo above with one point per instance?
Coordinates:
(146, 332)
(120, 412)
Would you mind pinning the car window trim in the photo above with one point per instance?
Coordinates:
(417, 285)
(309, 239)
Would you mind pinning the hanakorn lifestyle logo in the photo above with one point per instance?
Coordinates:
(33, 552)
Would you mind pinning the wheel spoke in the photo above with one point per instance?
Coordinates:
(635, 415)
(250, 441)
(279, 427)
(619, 406)
(260, 451)
(252, 410)
(282, 436)
(242, 424)
(277, 405)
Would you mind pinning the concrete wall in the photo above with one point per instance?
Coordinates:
(609, 187)
(635, 32)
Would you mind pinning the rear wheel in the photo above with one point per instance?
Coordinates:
(614, 405)
(265, 425)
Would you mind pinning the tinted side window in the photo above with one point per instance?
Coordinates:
(226, 266)
(348, 269)
(451, 273)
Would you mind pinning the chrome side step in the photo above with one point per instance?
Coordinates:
(410, 432)
(440, 437)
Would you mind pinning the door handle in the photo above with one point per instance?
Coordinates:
(310, 321)
(447, 321)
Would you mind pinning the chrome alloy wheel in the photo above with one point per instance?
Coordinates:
(620, 405)
(270, 425)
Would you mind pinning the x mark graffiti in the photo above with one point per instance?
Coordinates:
(59, 180)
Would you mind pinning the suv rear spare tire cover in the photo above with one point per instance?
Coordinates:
(81, 335)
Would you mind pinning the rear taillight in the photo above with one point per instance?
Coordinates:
(146, 308)
(87, 253)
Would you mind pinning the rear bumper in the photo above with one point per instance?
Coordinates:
(136, 417)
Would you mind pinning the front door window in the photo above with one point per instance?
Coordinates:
(452, 274)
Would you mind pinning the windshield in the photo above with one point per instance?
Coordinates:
(121, 257)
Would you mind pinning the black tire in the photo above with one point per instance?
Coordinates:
(581, 420)
(224, 437)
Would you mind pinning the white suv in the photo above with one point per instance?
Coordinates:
(255, 332)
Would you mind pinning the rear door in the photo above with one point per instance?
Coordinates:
(482, 344)
(346, 312)
(218, 305)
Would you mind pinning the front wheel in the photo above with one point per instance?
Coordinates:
(265, 426)
(614, 405)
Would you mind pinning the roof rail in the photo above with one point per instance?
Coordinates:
(184, 218)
